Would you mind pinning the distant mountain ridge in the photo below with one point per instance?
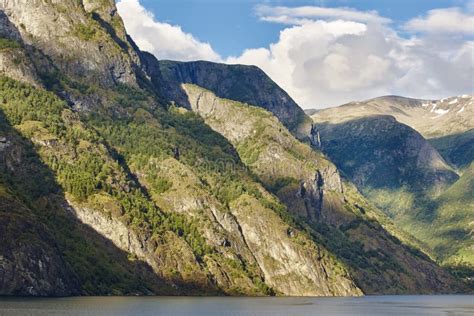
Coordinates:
(440, 121)
(431, 118)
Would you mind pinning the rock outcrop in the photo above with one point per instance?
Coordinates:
(31, 264)
(14, 62)
(314, 192)
(246, 84)
(85, 40)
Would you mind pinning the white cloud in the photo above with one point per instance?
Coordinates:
(300, 15)
(164, 40)
(449, 20)
(329, 57)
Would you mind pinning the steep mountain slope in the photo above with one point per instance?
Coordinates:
(450, 119)
(119, 194)
(329, 208)
(135, 191)
(401, 172)
(246, 84)
(45, 250)
(386, 158)
(454, 209)
(85, 39)
(457, 149)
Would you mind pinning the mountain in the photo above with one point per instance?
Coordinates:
(317, 198)
(110, 159)
(409, 157)
(454, 210)
(246, 84)
(107, 190)
(448, 123)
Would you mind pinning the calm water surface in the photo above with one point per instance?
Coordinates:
(369, 305)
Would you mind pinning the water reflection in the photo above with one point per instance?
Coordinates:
(209, 306)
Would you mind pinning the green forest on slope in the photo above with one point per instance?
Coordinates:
(376, 251)
(90, 141)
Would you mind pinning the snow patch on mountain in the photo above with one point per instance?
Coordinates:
(454, 101)
(441, 112)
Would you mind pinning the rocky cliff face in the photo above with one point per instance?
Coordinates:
(272, 153)
(313, 191)
(30, 261)
(13, 60)
(133, 193)
(86, 40)
(246, 84)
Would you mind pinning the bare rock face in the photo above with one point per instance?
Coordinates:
(312, 191)
(30, 264)
(85, 46)
(112, 229)
(254, 234)
(241, 124)
(14, 62)
(161, 257)
(246, 84)
(289, 267)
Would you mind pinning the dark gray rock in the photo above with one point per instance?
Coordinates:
(246, 84)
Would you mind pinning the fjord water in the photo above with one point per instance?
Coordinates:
(209, 306)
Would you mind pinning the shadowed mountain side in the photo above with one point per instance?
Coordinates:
(49, 252)
(457, 149)
(404, 175)
(246, 84)
(454, 223)
(377, 152)
(320, 202)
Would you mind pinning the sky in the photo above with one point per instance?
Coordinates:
(322, 52)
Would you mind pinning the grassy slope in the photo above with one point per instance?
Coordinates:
(457, 149)
(375, 156)
(455, 209)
